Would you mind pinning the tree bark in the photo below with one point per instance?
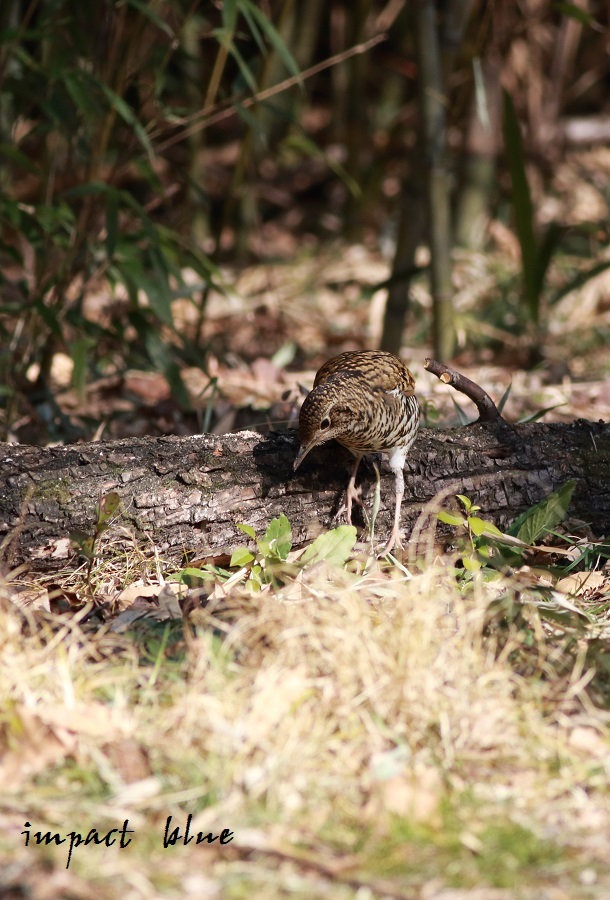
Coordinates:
(186, 495)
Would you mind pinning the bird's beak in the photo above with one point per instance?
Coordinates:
(303, 451)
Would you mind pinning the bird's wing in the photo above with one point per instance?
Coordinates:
(380, 371)
(394, 380)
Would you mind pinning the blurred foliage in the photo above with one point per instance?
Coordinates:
(144, 144)
(85, 194)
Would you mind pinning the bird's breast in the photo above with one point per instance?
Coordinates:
(389, 420)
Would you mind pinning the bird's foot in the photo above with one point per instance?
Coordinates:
(394, 541)
(353, 495)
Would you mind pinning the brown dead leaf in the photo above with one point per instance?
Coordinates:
(589, 741)
(274, 697)
(57, 548)
(578, 582)
(93, 719)
(413, 792)
(153, 597)
(33, 746)
(30, 596)
(150, 387)
(63, 601)
(129, 759)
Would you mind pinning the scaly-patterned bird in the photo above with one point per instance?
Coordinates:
(366, 401)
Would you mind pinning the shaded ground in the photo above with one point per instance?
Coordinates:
(281, 321)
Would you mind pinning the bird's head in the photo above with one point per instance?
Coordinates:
(323, 417)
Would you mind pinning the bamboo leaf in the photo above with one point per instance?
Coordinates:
(575, 12)
(504, 397)
(546, 249)
(79, 353)
(272, 34)
(225, 39)
(540, 413)
(463, 416)
(7, 151)
(127, 114)
(524, 210)
(229, 15)
(147, 10)
(580, 279)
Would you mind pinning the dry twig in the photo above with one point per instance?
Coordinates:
(488, 411)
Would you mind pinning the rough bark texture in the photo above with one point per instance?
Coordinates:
(187, 494)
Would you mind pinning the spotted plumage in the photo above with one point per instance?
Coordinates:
(365, 400)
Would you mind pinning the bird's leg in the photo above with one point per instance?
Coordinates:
(397, 461)
(353, 493)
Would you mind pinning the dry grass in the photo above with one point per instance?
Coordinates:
(373, 738)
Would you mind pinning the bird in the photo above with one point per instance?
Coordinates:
(364, 399)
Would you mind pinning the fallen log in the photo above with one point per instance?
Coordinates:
(185, 495)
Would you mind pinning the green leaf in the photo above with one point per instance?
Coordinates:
(450, 518)
(247, 529)
(284, 355)
(128, 116)
(302, 142)
(78, 86)
(465, 501)
(241, 556)
(108, 505)
(226, 41)
(229, 15)
(333, 546)
(190, 575)
(248, 8)
(575, 12)
(580, 279)
(7, 151)
(153, 279)
(470, 564)
(278, 538)
(534, 417)
(254, 29)
(79, 354)
(83, 543)
(463, 416)
(481, 527)
(490, 530)
(538, 521)
(252, 122)
(524, 209)
(146, 10)
(504, 397)
(160, 353)
(548, 245)
(112, 223)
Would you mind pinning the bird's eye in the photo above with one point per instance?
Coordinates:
(325, 423)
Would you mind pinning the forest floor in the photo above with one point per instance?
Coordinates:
(261, 342)
(372, 729)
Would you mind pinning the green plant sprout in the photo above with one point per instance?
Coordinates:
(483, 545)
(271, 561)
(85, 544)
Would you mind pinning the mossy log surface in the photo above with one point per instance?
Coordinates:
(185, 495)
